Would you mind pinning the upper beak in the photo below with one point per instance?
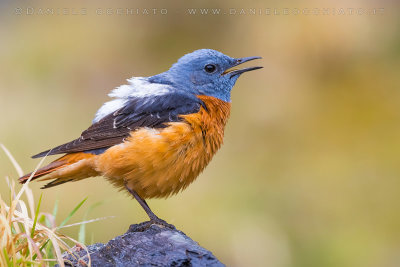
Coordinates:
(233, 72)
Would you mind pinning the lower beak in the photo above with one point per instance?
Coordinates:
(233, 72)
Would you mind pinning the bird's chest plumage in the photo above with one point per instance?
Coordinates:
(161, 162)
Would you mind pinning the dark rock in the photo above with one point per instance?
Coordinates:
(145, 245)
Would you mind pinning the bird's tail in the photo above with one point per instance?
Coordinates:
(71, 167)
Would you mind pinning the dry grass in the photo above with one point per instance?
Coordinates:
(29, 237)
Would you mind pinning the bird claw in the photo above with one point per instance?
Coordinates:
(146, 225)
(161, 222)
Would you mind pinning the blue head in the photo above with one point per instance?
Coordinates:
(207, 72)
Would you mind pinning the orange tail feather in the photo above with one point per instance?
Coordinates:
(56, 165)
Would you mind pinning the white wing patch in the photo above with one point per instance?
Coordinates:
(109, 107)
(136, 87)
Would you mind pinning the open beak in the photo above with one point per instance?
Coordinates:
(232, 71)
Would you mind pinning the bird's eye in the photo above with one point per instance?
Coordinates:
(210, 68)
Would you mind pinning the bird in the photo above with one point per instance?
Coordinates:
(156, 134)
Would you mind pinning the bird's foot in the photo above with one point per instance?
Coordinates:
(158, 221)
(161, 222)
(146, 225)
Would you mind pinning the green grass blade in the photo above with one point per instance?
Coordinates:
(82, 228)
(82, 233)
(36, 216)
(40, 249)
(7, 258)
(55, 209)
(42, 219)
(49, 250)
(72, 212)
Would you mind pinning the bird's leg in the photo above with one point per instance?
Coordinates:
(143, 203)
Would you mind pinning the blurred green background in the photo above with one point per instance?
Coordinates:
(309, 172)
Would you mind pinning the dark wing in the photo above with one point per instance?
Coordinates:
(152, 112)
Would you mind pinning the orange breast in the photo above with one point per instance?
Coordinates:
(158, 163)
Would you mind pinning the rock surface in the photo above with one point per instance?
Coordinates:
(145, 245)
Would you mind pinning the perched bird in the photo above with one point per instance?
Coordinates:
(157, 133)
